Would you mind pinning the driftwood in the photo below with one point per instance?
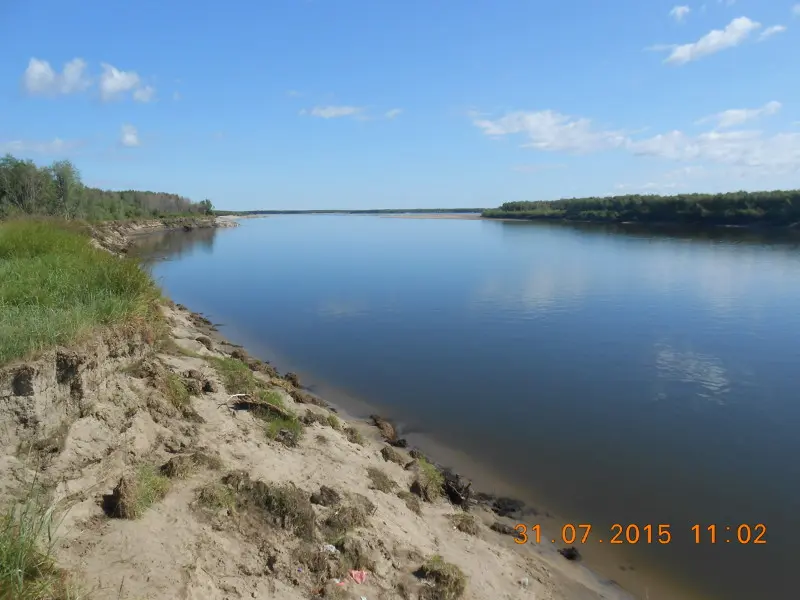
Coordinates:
(246, 402)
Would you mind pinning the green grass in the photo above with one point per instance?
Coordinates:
(236, 376)
(429, 481)
(27, 567)
(276, 424)
(175, 390)
(56, 288)
(334, 422)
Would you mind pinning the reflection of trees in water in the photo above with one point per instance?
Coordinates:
(168, 244)
(733, 235)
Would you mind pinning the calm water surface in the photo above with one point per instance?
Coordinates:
(623, 375)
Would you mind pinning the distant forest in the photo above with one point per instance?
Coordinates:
(734, 208)
(57, 190)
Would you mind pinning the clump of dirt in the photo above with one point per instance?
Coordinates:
(385, 427)
(344, 519)
(326, 496)
(389, 454)
(465, 522)
(381, 481)
(184, 465)
(354, 436)
(312, 417)
(285, 505)
(135, 493)
(446, 581)
(412, 501)
(216, 496)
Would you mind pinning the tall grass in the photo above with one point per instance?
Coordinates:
(27, 568)
(55, 287)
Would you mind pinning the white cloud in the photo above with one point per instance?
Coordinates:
(537, 168)
(393, 113)
(333, 112)
(770, 31)
(115, 83)
(737, 116)
(21, 147)
(749, 151)
(144, 94)
(550, 130)
(41, 79)
(129, 137)
(716, 40)
(679, 12)
(796, 10)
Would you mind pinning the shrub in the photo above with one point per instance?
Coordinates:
(465, 522)
(380, 480)
(448, 581)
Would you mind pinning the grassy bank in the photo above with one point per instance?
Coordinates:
(777, 208)
(56, 288)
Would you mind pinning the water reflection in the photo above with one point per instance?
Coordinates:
(174, 244)
(704, 372)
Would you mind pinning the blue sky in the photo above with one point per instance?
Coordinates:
(413, 103)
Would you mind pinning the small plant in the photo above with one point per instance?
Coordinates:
(429, 481)
(236, 376)
(175, 390)
(134, 494)
(412, 501)
(448, 581)
(345, 518)
(381, 481)
(354, 436)
(286, 430)
(334, 422)
(465, 522)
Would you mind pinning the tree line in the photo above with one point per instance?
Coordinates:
(732, 208)
(57, 190)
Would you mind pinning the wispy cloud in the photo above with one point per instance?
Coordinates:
(770, 31)
(41, 79)
(537, 168)
(716, 40)
(393, 113)
(750, 151)
(333, 112)
(129, 136)
(55, 146)
(796, 10)
(737, 116)
(551, 130)
(679, 13)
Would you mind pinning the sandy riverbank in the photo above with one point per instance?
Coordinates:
(180, 467)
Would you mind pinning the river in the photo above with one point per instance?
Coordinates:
(615, 374)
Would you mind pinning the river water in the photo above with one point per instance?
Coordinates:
(615, 374)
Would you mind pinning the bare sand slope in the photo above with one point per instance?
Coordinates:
(235, 518)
